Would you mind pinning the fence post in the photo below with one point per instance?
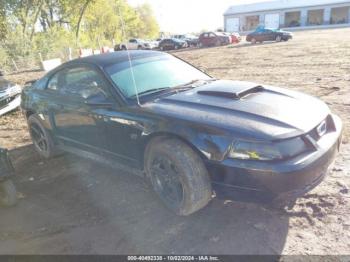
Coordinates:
(41, 58)
(14, 63)
(69, 53)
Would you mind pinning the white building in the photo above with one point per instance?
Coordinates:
(287, 14)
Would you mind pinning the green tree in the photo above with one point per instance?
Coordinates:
(149, 27)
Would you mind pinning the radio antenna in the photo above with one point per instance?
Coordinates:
(129, 57)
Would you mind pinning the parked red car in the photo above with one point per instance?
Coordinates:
(214, 39)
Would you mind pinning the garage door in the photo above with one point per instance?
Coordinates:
(272, 21)
(232, 25)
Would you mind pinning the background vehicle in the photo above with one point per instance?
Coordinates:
(259, 151)
(235, 38)
(10, 96)
(214, 39)
(172, 43)
(135, 44)
(8, 192)
(265, 34)
(190, 39)
(153, 44)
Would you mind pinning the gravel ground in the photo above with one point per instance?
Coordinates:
(70, 205)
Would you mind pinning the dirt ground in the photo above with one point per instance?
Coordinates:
(70, 205)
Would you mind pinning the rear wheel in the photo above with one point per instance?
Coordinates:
(123, 47)
(139, 47)
(178, 176)
(41, 138)
(8, 193)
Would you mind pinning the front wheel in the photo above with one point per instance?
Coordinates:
(278, 38)
(8, 193)
(178, 176)
(41, 138)
(253, 41)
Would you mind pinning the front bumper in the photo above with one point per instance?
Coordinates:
(287, 37)
(9, 103)
(261, 181)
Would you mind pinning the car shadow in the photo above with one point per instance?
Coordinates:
(70, 205)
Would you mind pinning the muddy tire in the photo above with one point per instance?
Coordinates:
(8, 193)
(178, 176)
(42, 140)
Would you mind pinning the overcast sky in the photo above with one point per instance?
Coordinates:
(185, 16)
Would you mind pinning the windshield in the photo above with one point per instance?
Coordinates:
(153, 73)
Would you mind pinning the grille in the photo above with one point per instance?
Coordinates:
(5, 101)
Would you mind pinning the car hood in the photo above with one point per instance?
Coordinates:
(4, 84)
(246, 109)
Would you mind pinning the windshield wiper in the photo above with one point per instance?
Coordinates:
(185, 86)
(190, 84)
(151, 91)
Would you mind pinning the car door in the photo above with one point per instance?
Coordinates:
(75, 122)
(213, 39)
(204, 38)
(132, 44)
(167, 44)
(172, 44)
(269, 35)
(258, 35)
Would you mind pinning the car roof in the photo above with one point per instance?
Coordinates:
(107, 59)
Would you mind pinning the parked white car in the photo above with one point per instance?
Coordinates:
(10, 96)
(134, 44)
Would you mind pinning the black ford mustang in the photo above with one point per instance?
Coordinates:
(191, 134)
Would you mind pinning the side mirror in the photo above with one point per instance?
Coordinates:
(99, 100)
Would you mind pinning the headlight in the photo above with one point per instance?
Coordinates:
(267, 151)
(14, 90)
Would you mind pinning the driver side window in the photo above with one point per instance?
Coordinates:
(79, 82)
